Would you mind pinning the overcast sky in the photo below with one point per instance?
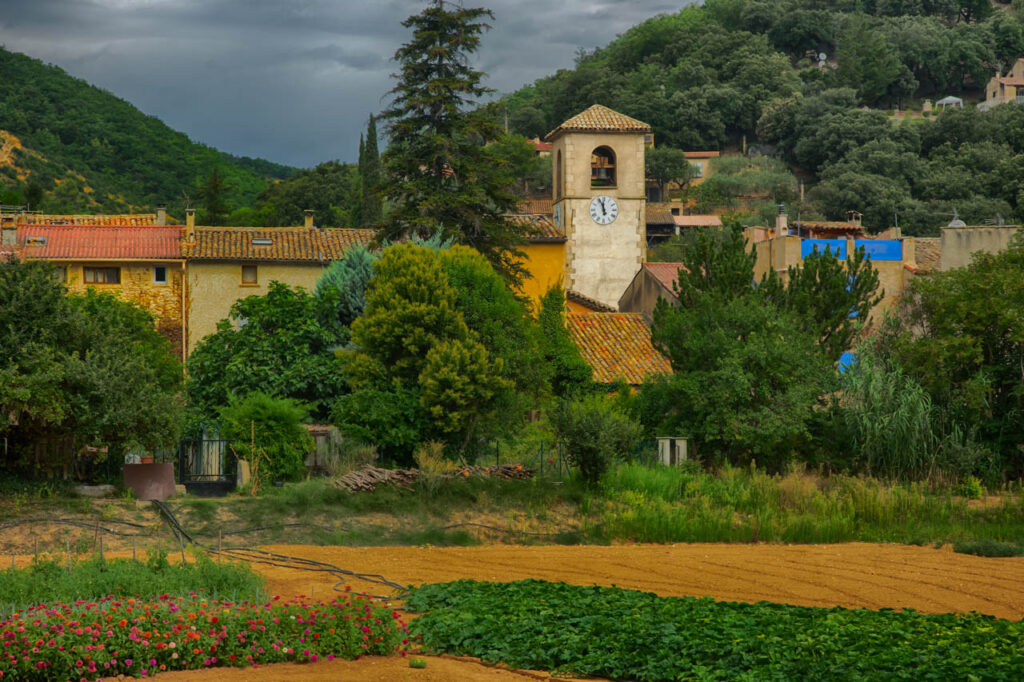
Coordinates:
(291, 81)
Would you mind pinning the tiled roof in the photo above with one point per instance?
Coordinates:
(659, 213)
(113, 242)
(617, 346)
(827, 225)
(1010, 80)
(537, 206)
(295, 244)
(599, 119)
(697, 220)
(702, 155)
(592, 304)
(541, 227)
(135, 219)
(666, 273)
(540, 145)
(927, 253)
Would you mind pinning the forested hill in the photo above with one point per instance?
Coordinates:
(711, 76)
(86, 150)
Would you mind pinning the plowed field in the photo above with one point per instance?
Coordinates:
(850, 575)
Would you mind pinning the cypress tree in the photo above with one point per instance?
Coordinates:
(369, 171)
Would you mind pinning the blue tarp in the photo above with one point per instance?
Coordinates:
(846, 360)
(881, 249)
(837, 247)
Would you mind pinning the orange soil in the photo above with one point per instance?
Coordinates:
(855, 575)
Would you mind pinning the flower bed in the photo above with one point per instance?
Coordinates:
(116, 636)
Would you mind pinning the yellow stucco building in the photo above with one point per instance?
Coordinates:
(226, 264)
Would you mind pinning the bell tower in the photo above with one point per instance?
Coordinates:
(599, 200)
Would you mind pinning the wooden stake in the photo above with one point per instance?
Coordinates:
(133, 548)
(181, 543)
(67, 549)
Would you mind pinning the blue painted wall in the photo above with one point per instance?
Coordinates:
(881, 249)
(837, 247)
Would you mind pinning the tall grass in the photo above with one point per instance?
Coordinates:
(53, 579)
(663, 504)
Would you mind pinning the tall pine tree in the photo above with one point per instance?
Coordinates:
(440, 175)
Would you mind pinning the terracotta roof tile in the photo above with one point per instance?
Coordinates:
(667, 274)
(1010, 80)
(591, 303)
(112, 242)
(697, 220)
(599, 119)
(134, 219)
(659, 214)
(702, 155)
(294, 244)
(545, 206)
(540, 227)
(617, 346)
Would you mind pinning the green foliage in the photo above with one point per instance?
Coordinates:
(51, 580)
(371, 211)
(570, 373)
(211, 196)
(348, 279)
(961, 337)
(593, 433)
(443, 337)
(77, 371)
(331, 191)
(281, 344)
(261, 426)
(748, 372)
(441, 177)
(990, 548)
(97, 153)
(624, 634)
(665, 165)
(828, 296)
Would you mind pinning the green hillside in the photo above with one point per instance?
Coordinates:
(731, 72)
(86, 150)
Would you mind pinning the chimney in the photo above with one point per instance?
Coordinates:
(781, 222)
(161, 215)
(309, 218)
(190, 224)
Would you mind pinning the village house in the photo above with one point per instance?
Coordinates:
(226, 264)
(1008, 89)
(130, 256)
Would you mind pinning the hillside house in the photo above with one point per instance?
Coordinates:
(1007, 89)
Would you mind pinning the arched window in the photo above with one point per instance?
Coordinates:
(558, 175)
(602, 167)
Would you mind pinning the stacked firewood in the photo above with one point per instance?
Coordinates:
(369, 477)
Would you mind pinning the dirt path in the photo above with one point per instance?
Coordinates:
(852, 575)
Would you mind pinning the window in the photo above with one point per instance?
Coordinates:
(102, 275)
(558, 175)
(159, 274)
(60, 274)
(602, 167)
(249, 274)
(698, 169)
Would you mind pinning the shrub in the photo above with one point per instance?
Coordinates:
(593, 432)
(267, 432)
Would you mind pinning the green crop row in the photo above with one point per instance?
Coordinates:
(629, 635)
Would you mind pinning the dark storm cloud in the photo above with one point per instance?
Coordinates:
(292, 81)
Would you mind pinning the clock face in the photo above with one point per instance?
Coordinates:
(603, 209)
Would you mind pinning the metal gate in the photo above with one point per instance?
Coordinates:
(206, 467)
